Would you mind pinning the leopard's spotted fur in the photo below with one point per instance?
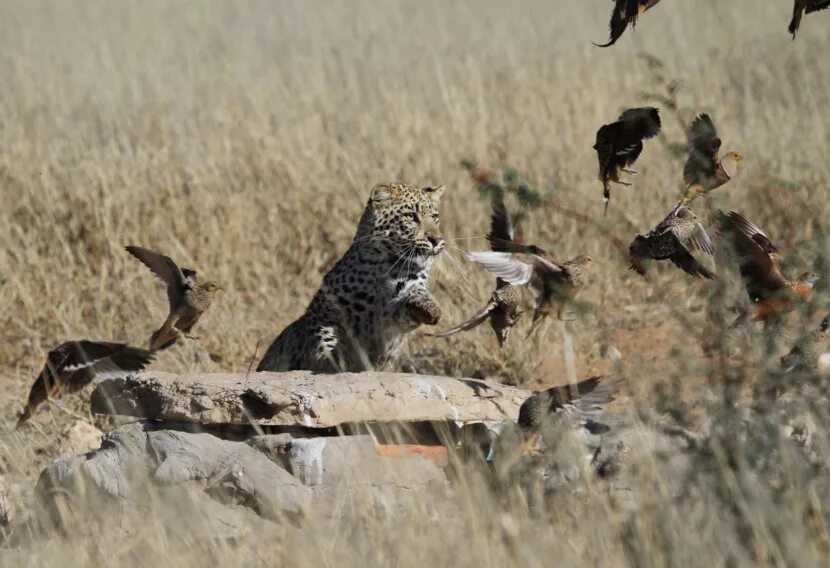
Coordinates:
(376, 293)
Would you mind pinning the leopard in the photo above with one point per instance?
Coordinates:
(375, 295)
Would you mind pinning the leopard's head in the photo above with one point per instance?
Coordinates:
(403, 218)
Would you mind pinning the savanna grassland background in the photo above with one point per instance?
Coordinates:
(242, 139)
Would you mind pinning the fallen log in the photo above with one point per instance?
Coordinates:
(302, 399)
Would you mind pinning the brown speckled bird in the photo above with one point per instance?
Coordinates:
(72, 365)
(582, 402)
(503, 307)
(188, 299)
(620, 143)
(705, 170)
(625, 13)
(553, 284)
(802, 6)
(672, 240)
(805, 353)
(760, 268)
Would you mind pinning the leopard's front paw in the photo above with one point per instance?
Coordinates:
(423, 311)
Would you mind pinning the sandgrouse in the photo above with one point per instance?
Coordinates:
(705, 170)
(800, 7)
(625, 13)
(619, 144)
(760, 266)
(188, 299)
(553, 284)
(672, 240)
(581, 402)
(72, 365)
(503, 307)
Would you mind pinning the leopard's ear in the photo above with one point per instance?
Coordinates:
(383, 192)
(434, 192)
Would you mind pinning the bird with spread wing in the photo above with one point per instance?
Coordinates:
(188, 299)
(705, 170)
(72, 365)
(673, 239)
(503, 307)
(800, 7)
(760, 267)
(619, 144)
(554, 284)
(581, 402)
(625, 14)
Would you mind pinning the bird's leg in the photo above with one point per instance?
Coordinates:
(625, 183)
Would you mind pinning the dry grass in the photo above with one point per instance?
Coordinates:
(243, 140)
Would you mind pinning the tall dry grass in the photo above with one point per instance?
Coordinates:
(242, 139)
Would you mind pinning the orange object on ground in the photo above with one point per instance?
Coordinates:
(436, 454)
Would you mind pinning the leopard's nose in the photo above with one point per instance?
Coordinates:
(437, 244)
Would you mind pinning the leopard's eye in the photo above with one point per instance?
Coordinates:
(410, 215)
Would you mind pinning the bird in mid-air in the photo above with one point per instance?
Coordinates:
(503, 307)
(188, 298)
(673, 239)
(705, 170)
(72, 365)
(800, 7)
(553, 284)
(760, 266)
(804, 355)
(620, 143)
(625, 13)
(581, 402)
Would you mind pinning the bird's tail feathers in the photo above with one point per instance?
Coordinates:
(163, 338)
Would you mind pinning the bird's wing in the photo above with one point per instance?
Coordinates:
(72, 365)
(625, 11)
(642, 122)
(586, 398)
(106, 357)
(621, 142)
(504, 265)
(165, 269)
(758, 257)
(501, 224)
(684, 260)
(698, 238)
(470, 323)
(704, 146)
(816, 6)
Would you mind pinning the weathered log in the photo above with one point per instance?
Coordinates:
(306, 400)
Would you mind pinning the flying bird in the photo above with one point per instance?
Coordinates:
(582, 402)
(802, 6)
(73, 365)
(620, 143)
(673, 239)
(502, 310)
(188, 298)
(503, 307)
(553, 284)
(804, 355)
(625, 13)
(705, 170)
(760, 266)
